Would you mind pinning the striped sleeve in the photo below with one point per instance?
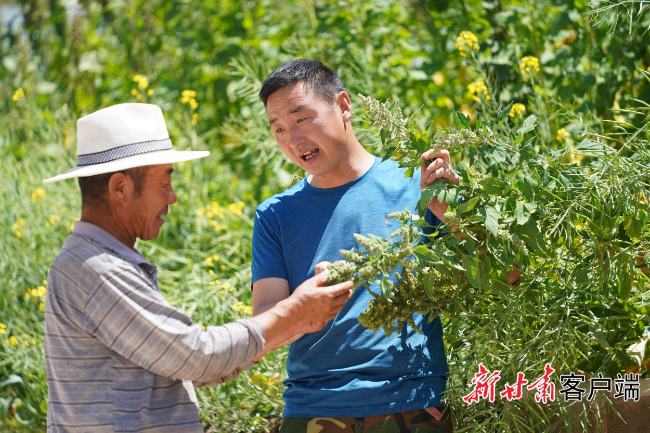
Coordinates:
(132, 318)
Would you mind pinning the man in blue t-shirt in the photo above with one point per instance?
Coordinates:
(344, 372)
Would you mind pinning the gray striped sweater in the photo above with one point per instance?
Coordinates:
(119, 357)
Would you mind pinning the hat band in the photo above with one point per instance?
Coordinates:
(124, 151)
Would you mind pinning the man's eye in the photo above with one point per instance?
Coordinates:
(279, 130)
(304, 118)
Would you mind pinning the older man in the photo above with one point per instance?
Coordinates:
(119, 357)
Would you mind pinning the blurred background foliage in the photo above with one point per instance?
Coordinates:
(203, 63)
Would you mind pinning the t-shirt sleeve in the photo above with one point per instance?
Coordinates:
(268, 259)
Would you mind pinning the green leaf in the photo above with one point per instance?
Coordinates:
(527, 151)
(485, 265)
(428, 193)
(449, 195)
(526, 186)
(523, 211)
(429, 282)
(13, 378)
(591, 148)
(468, 205)
(472, 270)
(389, 153)
(528, 125)
(492, 219)
(460, 120)
(504, 113)
(386, 286)
(493, 186)
(425, 254)
(625, 279)
(530, 234)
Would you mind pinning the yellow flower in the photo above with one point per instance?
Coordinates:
(466, 43)
(134, 92)
(562, 135)
(226, 286)
(149, 92)
(246, 309)
(41, 306)
(188, 93)
(215, 283)
(70, 223)
(222, 267)
(529, 65)
(195, 116)
(54, 218)
(33, 342)
(142, 80)
(3, 329)
(203, 327)
(193, 104)
(179, 117)
(438, 78)
(477, 90)
(37, 194)
(221, 292)
(236, 208)
(18, 228)
(13, 341)
(18, 94)
(517, 110)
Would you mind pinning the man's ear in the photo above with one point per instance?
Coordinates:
(120, 186)
(343, 103)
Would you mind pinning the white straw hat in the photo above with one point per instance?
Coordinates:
(123, 136)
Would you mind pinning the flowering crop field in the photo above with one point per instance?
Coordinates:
(580, 69)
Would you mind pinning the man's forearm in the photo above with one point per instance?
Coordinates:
(277, 319)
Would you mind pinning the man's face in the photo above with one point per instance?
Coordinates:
(309, 130)
(145, 210)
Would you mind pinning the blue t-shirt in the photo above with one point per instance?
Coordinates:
(346, 370)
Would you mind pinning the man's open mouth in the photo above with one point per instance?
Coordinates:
(309, 154)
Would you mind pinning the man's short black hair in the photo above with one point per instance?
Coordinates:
(325, 83)
(94, 188)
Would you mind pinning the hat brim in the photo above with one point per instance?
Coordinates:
(141, 160)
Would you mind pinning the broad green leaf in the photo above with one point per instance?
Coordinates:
(492, 219)
(493, 186)
(468, 205)
(530, 234)
(449, 195)
(472, 270)
(527, 187)
(528, 125)
(523, 211)
(527, 151)
(425, 254)
(429, 282)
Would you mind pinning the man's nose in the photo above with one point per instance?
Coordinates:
(296, 137)
(171, 197)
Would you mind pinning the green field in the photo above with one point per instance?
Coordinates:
(578, 67)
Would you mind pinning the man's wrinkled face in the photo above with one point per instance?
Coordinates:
(147, 208)
(309, 130)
